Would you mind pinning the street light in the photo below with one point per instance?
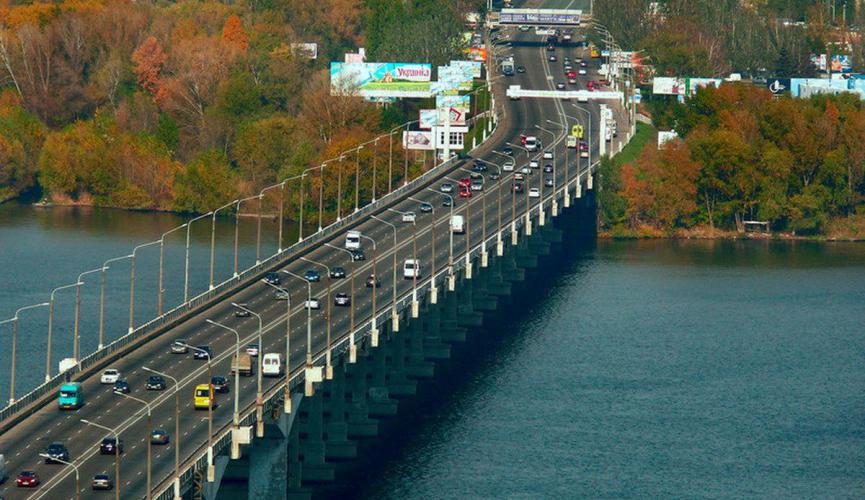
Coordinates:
(352, 350)
(415, 309)
(357, 179)
(105, 267)
(149, 444)
(51, 327)
(213, 237)
(390, 156)
(541, 214)
(287, 396)
(162, 261)
(237, 227)
(176, 428)
(281, 187)
(588, 114)
(451, 281)
(132, 283)
(186, 260)
(235, 446)
(75, 467)
(75, 339)
(373, 331)
(259, 429)
(567, 167)
(309, 390)
(432, 283)
(116, 435)
(394, 315)
(328, 366)
(211, 472)
(14, 321)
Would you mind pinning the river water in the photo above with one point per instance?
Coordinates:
(644, 369)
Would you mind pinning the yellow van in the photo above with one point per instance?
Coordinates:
(203, 396)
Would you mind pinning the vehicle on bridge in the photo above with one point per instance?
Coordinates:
(312, 276)
(341, 299)
(337, 272)
(109, 376)
(27, 479)
(71, 398)
(534, 193)
(312, 303)
(203, 397)
(272, 278)
(372, 281)
(56, 451)
(122, 386)
(271, 365)
(159, 436)
(242, 311)
(532, 144)
(101, 482)
(219, 383)
(179, 346)
(352, 240)
(110, 446)
(155, 383)
(205, 355)
(241, 363)
(458, 224)
(411, 269)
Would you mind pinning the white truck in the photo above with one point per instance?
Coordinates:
(458, 224)
(271, 365)
(532, 143)
(352, 240)
(411, 269)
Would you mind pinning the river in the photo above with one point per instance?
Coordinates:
(643, 369)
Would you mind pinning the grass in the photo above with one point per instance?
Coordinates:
(632, 150)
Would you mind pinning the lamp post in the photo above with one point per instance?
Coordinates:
(281, 185)
(373, 331)
(309, 389)
(161, 291)
(567, 168)
(588, 114)
(51, 327)
(14, 321)
(432, 283)
(176, 428)
(211, 472)
(468, 233)
(186, 260)
(116, 435)
(357, 179)
(390, 156)
(321, 190)
(213, 238)
(394, 315)
(259, 427)
(235, 420)
(132, 283)
(75, 467)
(75, 339)
(528, 215)
(451, 280)
(374, 161)
(352, 351)
(237, 228)
(541, 213)
(105, 267)
(287, 397)
(149, 444)
(328, 366)
(415, 308)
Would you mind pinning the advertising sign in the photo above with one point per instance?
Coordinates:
(456, 76)
(308, 50)
(381, 79)
(476, 53)
(841, 64)
(358, 57)
(417, 139)
(543, 17)
(471, 69)
(696, 83)
(819, 61)
(668, 85)
(778, 86)
(460, 102)
(665, 137)
(430, 118)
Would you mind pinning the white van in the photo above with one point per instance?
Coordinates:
(411, 269)
(271, 365)
(572, 142)
(352, 240)
(458, 224)
(531, 143)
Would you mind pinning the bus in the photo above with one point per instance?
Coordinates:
(203, 396)
(71, 396)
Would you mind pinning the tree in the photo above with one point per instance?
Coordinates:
(233, 34)
(149, 59)
(205, 184)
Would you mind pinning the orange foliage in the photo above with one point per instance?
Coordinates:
(149, 58)
(233, 34)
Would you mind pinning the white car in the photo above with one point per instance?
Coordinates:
(582, 98)
(312, 303)
(408, 217)
(526, 171)
(109, 376)
(581, 71)
(411, 269)
(519, 176)
(508, 166)
(534, 164)
(548, 155)
(252, 350)
(534, 193)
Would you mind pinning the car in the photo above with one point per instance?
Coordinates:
(582, 71)
(584, 150)
(110, 446)
(101, 482)
(524, 28)
(551, 48)
(252, 350)
(521, 69)
(526, 171)
(508, 150)
(179, 346)
(494, 176)
(341, 299)
(519, 176)
(479, 166)
(508, 165)
(578, 59)
(372, 281)
(548, 168)
(447, 201)
(560, 86)
(548, 155)
(534, 193)
(109, 376)
(590, 85)
(122, 386)
(312, 276)
(568, 68)
(337, 272)
(425, 207)
(27, 479)
(465, 182)
(534, 164)
(582, 98)
(272, 278)
(242, 313)
(477, 185)
(548, 182)
(447, 187)
(518, 187)
(357, 254)
(584, 64)
(571, 74)
(280, 295)
(572, 81)
(159, 436)
(219, 383)
(155, 383)
(409, 217)
(552, 56)
(465, 193)
(312, 303)
(203, 352)
(56, 451)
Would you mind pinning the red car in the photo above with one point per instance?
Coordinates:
(465, 182)
(590, 85)
(572, 74)
(522, 139)
(27, 479)
(465, 193)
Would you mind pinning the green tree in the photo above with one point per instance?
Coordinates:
(205, 184)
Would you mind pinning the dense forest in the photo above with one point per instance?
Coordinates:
(188, 104)
(798, 164)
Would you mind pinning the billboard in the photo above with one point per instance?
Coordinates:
(381, 79)
(665, 137)
(478, 54)
(841, 64)
(430, 118)
(668, 85)
(459, 102)
(418, 139)
(358, 57)
(696, 83)
(778, 86)
(469, 68)
(542, 17)
(455, 76)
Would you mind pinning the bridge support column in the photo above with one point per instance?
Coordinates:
(394, 319)
(468, 268)
(484, 257)
(359, 423)
(567, 197)
(542, 217)
(338, 446)
(373, 335)
(452, 282)
(555, 209)
(528, 228)
(579, 190)
(433, 294)
(514, 234)
(589, 180)
(500, 247)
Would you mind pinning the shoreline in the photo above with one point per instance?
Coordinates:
(727, 235)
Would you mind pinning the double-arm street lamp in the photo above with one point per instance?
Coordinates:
(451, 278)
(116, 434)
(76, 341)
(132, 283)
(352, 350)
(186, 259)
(328, 365)
(105, 267)
(149, 443)
(213, 236)
(237, 227)
(176, 428)
(415, 308)
(287, 397)
(211, 471)
(51, 326)
(74, 467)
(160, 285)
(235, 446)
(433, 269)
(394, 313)
(309, 389)
(14, 320)
(259, 428)
(373, 332)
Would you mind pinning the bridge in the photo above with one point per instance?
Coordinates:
(348, 365)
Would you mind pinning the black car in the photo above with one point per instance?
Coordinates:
(508, 150)
(337, 272)
(159, 436)
(220, 383)
(446, 201)
(198, 354)
(372, 281)
(272, 278)
(56, 451)
(560, 86)
(242, 313)
(312, 275)
(357, 254)
(122, 386)
(521, 69)
(479, 166)
(518, 187)
(341, 299)
(548, 182)
(155, 383)
(494, 176)
(548, 168)
(110, 446)
(425, 208)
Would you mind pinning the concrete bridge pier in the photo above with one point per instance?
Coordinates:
(339, 447)
(313, 447)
